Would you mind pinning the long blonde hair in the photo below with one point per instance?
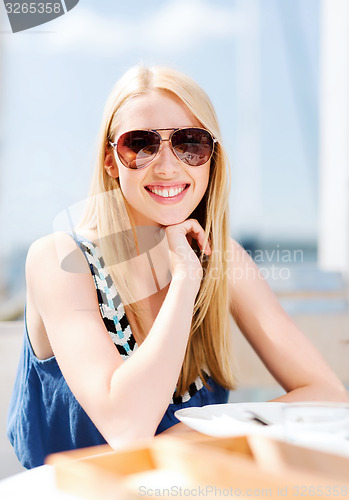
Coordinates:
(209, 344)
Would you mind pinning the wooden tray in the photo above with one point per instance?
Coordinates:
(197, 465)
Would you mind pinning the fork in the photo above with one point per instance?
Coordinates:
(253, 417)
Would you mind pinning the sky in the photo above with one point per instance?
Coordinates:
(256, 59)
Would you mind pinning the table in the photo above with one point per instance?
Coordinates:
(39, 483)
(33, 484)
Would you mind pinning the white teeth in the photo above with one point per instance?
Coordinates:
(167, 193)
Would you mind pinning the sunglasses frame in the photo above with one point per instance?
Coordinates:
(156, 131)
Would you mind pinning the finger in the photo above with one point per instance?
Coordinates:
(194, 228)
(191, 228)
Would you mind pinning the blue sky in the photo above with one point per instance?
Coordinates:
(257, 60)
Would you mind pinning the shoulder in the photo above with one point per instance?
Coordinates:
(235, 246)
(238, 257)
(48, 244)
(58, 277)
(244, 276)
(249, 292)
(54, 252)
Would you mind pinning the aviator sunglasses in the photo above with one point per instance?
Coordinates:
(138, 148)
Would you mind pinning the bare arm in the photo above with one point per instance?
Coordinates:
(115, 393)
(286, 352)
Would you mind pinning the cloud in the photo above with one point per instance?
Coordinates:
(181, 24)
(174, 27)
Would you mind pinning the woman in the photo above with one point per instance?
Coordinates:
(151, 270)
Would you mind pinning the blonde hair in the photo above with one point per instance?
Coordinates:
(209, 344)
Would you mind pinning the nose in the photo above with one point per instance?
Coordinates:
(166, 162)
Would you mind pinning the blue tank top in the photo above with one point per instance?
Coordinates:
(44, 416)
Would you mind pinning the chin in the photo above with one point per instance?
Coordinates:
(171, 220)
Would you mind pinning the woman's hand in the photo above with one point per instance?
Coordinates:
(185, 264)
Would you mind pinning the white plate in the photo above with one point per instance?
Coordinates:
(228, 419)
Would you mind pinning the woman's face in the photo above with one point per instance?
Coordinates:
(158, 110)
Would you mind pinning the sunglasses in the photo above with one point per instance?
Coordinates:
(138, 148)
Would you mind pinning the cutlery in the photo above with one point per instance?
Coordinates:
(249, 415)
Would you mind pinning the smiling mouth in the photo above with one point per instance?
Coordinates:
(169, 192)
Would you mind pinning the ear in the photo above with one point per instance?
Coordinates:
(110, 163)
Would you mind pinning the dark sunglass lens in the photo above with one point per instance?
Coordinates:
(193, 146)
(138, 148)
